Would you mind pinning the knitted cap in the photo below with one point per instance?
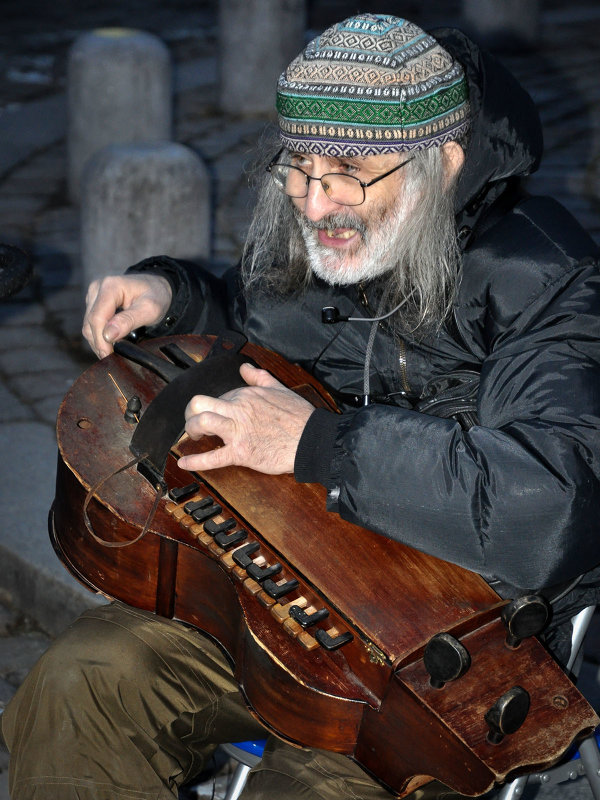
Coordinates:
(371, 84)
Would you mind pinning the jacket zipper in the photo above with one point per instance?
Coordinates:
(403, 366)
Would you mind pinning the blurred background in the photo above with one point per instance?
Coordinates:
(222, 59)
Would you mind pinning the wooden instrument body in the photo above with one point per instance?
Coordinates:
(371, 698)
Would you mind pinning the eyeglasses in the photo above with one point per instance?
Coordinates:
(346, 190)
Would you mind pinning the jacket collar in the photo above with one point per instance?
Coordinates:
(506, 138)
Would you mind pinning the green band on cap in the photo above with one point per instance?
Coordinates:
(364, 112)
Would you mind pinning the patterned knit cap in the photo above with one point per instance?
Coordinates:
(368, 85)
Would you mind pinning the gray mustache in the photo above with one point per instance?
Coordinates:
(335, 221)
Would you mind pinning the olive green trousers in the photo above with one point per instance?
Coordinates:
(126, 706)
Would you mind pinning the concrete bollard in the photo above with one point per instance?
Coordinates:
(257, 39)
(142, 200)
(119, 90)
(509, 24)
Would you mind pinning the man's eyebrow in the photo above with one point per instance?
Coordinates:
(355, 160)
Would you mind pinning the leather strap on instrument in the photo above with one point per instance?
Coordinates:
(94, 489)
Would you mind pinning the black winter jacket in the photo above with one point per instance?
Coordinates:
(517, 496)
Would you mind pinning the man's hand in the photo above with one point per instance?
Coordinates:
(260, 425)
(138, 299)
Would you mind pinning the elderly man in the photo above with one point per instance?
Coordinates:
(392, 207)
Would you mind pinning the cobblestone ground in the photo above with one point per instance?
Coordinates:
(21, 644)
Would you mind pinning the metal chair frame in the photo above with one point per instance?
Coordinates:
(585, 762)
(587, 759)
(247, 757)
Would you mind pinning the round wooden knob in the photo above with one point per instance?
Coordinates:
(507, 714)
(445, 659)
(525, 616)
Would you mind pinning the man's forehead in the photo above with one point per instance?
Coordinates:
(375, 160)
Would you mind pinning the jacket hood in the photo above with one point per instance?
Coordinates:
(506, 133)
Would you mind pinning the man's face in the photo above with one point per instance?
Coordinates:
(349, 244)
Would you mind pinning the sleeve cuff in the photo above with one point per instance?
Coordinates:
(185, 294)
(316, 447)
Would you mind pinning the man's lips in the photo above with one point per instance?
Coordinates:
(337, 237)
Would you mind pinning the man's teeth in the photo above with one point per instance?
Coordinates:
(334, 234)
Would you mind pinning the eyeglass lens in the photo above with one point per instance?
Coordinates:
(343, 189)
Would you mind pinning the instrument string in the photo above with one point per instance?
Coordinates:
(123, 395)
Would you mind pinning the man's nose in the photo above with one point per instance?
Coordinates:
(316, 203)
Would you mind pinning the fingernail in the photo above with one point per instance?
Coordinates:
(110, 333)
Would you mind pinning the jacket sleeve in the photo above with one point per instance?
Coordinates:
(516, 497)
(201, 301)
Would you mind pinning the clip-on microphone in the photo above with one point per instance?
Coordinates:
(330, 314)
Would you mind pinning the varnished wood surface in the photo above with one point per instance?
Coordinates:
(362, 699)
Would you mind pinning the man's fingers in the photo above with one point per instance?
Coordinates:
(260, 425)
(119, 304)
(208, 423)
(259, 377)
(103, 299)
(92, 331)
(201, 403)
(120, 325)
(92, 294)
(213, 459)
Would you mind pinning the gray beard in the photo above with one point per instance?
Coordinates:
(413, 244)
(376, 254)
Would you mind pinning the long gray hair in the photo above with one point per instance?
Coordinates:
(427, 256)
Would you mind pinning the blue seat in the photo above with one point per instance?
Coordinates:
(247, 754)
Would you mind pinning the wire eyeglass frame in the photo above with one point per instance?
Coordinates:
(282, 183)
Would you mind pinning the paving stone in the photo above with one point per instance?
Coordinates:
(218, 140)
(12, 408)
(49, 165)
(16, 312)
(22, 184)
(19, 653)
(57, 222)
(8, 620)
(18, 205)
(56, 273)
(47, 409)
(65, 299)
(21, 133)
(7, 690)
(195, 73)
(34, 359)
(53, 383)
(12, 336)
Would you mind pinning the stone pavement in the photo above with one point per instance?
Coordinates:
(41, 352)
